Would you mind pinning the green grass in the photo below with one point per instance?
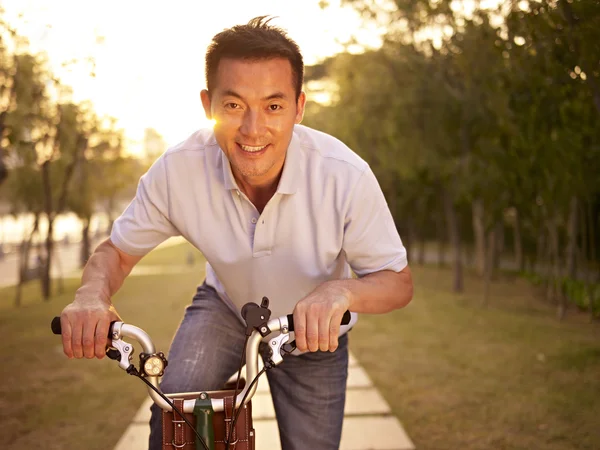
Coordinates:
(176, 255)
(509, 376)
(48, 401)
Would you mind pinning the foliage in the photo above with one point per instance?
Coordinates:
(499, 107)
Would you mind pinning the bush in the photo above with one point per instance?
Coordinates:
(584, 296)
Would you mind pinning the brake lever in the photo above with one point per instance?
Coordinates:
(121, 351)
(276, 345)
(289, 347)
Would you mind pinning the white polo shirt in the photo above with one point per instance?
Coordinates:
(328, 217)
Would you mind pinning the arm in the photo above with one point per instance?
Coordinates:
(375, 252)
(144, 224)
(85, 322)
(378, 292)
(317, 317)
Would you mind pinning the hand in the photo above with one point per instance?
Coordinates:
(317, 317)
(85, 324)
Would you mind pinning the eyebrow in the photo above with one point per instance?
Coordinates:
(276, 95)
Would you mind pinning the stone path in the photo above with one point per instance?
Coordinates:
(368, 422)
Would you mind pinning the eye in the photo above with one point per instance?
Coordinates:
(274, 107)
(232, 105)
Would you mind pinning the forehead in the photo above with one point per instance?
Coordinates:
(255, 77)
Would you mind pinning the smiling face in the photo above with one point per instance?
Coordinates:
(255, 109)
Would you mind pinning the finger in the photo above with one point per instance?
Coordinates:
(334, 330)
(312, 329)
(100, 338)
(76, 336)
(300, 329)
(66, 334)
(89, 331)
(324, 322)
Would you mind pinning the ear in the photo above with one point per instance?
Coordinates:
(300, 104)
(205, 97)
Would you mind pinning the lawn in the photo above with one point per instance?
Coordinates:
(507, 377)
(48, 401)
(457, 376)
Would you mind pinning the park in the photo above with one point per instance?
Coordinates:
(481, 122)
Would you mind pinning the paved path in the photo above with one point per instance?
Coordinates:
(368, 422)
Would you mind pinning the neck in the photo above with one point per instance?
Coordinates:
(259, 192)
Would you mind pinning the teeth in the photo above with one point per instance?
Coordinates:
(248, 148)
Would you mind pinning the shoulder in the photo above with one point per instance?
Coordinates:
(193, 145)
(197, 152)
(326, 150)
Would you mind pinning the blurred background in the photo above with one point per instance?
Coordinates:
(481, 120)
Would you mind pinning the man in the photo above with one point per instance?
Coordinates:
(278, 210)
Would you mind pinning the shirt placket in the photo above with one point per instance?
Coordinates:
(260, 226)
(264, 228)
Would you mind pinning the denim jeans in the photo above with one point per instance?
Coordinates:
(308, 391)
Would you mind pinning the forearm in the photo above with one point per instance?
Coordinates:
(104, 273)
(379, 292)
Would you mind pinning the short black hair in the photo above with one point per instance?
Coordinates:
(255, 40)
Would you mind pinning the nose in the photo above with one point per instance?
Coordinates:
(253, 124)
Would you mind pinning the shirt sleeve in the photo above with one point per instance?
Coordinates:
(371, 240)
(145, 222)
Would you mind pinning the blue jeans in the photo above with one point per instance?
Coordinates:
(308, 391)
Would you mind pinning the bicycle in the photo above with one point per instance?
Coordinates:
(217, 418)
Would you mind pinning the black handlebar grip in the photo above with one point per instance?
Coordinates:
(345, 320)
(57, 328)
(55, 325)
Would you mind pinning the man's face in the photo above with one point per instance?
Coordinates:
(255, 109)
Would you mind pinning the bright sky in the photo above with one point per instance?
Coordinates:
(150, 54)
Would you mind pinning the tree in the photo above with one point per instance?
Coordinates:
(494, 112)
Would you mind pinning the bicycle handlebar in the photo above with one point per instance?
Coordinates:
(290, 319)
(57, 327)
(283, 324)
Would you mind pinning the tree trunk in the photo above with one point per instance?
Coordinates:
(547, 268)
(422, 249)
(492, 241)
(48, 206)
(53, 208)
(519, 260)
(572, 238)
(592, 234)
(46, 276)
(455, 240)
(409, 243)
(85, 242)
(477, 211)
(110, 208)
(592, 275)
(540, 252)
(499, 244)
(554, 285)
(441, 240)
(24, 255)
(584, 261)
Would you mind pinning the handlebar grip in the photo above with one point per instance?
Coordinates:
(345, 320)
(55, 325)
(57, 328)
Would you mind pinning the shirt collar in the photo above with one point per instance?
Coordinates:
(290, 176)
(228, 178)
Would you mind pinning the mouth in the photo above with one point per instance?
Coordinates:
(252, 149)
